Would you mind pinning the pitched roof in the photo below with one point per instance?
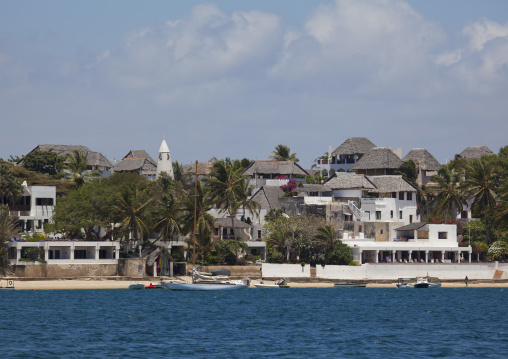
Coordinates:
(226, 222)
(268, 197)
(134, 164)
(414, 227)
(394, 183)
(377, 158)
(354, 145)
(474, 152)
(93, 158)
(139, 154)
(313, 188)
(275, 167)
(424, 159)
(204, 168)
(346, 181)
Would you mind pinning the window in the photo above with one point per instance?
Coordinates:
(411, 218)
(401, 196)
(391, 214)
(442, 235)
(259, 234)
(44, 201)
(409, 196)
(394, 194)
(378, 215)
(400, 214)
(79, 254)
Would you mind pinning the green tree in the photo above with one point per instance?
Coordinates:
(480, 185)
(196, 206)
(10, 188)
(498, 250)
(168, 214)
(449, 197)
(78, 165)
(130, 205)
(43, 162)
(283, 153)
(226, 184)
(246, 201)
(8, 229)
(85, 209)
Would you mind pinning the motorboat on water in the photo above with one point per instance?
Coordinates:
(419, 282)
(350, 285)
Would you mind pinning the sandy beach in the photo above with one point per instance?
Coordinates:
(97, 283)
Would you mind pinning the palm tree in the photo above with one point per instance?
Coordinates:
(326, 236)
(10, 188)
(130, 205)
(8, 229)
(283, 153)
(169, 214)
(246, 201)
(449, 197)
(227, 184)
(196, 206)
(78, 164)
(479, 185)
(281, 240)
(501, 216)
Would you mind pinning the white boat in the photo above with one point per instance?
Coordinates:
(9, 285)
(266, 285)
(420, 282)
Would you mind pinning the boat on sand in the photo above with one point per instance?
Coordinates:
(350, 285)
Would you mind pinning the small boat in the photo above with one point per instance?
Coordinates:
(261, 285)
(420, 282)
(155, 286)
(137, 286)
(350, 285)
(206, 282)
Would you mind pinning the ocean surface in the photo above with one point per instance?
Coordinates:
(253, 323)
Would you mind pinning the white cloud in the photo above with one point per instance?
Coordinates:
(484, 31)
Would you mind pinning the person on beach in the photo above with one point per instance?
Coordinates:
(465, 280)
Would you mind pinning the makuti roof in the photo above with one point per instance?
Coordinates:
(345, 181)
(475, 152)
(414, 227)
(354, 145)
(140, 154)
(275, 167)
(268, 197)
(378, 158)
(394, 183)
(423, 158)
(134, 164)
(93, 158)
(226, 223)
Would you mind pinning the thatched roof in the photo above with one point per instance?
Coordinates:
(204, 168)
(354, 145)
(313, 188)
(140, 154)
(416, 226)
(93, 158)
(377, 158)
(268, 197)
(134, 164)
(423, 158)
(346, 181)
(275, 168)
(226, 223)
(394, 183)
(475, 152)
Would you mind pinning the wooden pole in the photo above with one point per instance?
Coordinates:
(195, 213)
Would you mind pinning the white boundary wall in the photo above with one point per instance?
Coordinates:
(271, 270)
(386, 271)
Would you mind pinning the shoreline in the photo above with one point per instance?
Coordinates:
(101, 283)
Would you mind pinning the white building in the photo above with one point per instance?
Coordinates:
(35, 207)
(164, 163)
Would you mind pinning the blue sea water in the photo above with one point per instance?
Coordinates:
(253, 323)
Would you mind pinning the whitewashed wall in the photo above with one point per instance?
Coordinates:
(390, 271)
(271, 270)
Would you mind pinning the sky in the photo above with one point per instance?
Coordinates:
(236, 78)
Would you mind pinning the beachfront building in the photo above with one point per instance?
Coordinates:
(34, 208)
(414, 243)
(63, 257)
(274, 173)
(345, 156)
(426, 163)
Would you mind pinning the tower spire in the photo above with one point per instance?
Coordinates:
(164, 163)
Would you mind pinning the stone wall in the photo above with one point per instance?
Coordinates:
(252, 271)
(37, 270)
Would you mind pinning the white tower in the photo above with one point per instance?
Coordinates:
(164, 160)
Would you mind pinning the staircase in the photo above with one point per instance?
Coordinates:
(359, 214)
